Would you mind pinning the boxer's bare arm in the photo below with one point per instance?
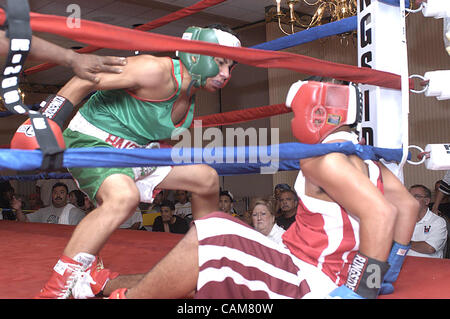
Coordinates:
(439, 197)
(148, 76)
(86, 66)
(422, 247)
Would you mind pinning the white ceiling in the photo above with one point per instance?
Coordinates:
(126, 13)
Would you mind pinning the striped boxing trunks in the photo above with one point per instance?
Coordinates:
(237, 262)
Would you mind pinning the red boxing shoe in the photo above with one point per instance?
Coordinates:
(100, 275)
(118, 294)
(71, 279)
(65, 275)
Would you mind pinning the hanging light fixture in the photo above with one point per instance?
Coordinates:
(325, 11)
(2, 103)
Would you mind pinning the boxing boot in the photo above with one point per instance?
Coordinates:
(100, 276)
(66, 274)
(343, 292)
(118, 294)
(395, 260)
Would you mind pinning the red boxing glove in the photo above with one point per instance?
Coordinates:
(56, 109)
(321, 108)
(25, 139)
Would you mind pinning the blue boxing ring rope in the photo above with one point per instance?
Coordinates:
(234, 161)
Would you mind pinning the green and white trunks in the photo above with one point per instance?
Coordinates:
(80, 133)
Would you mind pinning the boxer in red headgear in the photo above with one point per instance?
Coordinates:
(351, 212)
(321, 108)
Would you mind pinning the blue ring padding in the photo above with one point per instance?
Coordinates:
(309, 35)
(395, 2)
(288, 153)
(318, 32)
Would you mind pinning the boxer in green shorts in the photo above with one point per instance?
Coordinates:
(151, 100)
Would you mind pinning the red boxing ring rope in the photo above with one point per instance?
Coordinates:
(199, 6)
(113, 37)
(239, 116)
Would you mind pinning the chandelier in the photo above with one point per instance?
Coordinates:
(325, 11)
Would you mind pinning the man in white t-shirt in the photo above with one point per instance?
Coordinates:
(183, 207)
(430, 232)
(45, 187)
(59, 212)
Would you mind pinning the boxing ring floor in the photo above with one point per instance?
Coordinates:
(30, 250)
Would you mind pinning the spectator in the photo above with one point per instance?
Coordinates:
(276, 194)
(134, 222)
(76, 198)
(288, 208)
(35, 202)
(263, 219)
(226, 203)
(59, 212)
(183, 207)
(168, 222)
(45, 186)
(442, 195)
(430, 232)
(79, 199)
(6, 201)
(278, 189)
(155, 206)
(247, 217)
(88, 205)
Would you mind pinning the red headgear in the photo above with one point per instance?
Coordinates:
(321, 108)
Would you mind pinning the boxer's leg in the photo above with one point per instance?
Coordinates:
(224, 258)
(175, 276)
(351, 188)
(122, 281)
(202, 181)
(118, 198)
(407, 206)
(408, 210)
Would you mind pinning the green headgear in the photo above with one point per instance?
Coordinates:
(202, 67)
